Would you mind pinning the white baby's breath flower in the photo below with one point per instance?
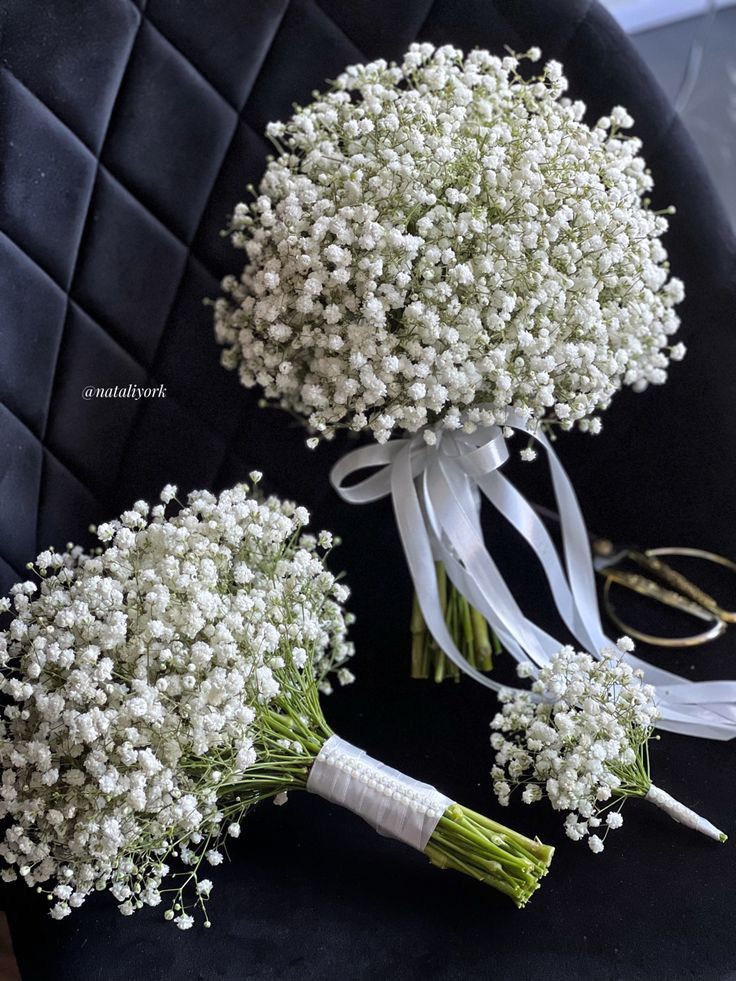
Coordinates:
(578, 738)
(168, 493)
(137, 686)
(404, 273)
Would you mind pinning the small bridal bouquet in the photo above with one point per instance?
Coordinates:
(580, 738)
(159, 687)
(444, 253)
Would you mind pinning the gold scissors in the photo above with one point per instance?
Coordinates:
(658, 581)
(664, 585)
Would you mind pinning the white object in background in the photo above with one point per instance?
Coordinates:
(642, 15)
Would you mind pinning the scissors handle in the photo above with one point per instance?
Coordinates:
(647, 587)
(684, 594)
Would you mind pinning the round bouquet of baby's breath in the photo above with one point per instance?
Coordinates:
(445, 245)
(580, 738)
(445, 239)
(158, 688)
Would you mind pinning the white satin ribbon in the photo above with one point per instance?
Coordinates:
(681, 814)
(395, 805)
(436, 492)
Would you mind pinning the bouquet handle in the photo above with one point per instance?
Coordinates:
(682, 814)
(450, 835)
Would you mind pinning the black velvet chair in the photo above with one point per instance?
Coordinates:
(128, 130)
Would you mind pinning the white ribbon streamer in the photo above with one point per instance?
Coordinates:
(681, 814)
(395, 805)
(436, 493)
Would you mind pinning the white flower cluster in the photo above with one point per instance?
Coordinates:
(136, 681)
(443, 240)
(579, 738)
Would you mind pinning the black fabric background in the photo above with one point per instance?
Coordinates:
(127, 132)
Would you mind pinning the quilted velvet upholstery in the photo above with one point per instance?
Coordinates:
(127, 132)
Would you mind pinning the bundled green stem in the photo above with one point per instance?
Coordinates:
(488, 851)
(288, 746)
(462, 840)
(467, 627)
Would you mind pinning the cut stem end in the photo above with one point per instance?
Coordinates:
(489, 852)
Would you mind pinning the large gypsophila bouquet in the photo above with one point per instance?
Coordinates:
(443, 241)
(158, 688)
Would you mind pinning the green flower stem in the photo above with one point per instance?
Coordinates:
(292, 735)
(485, 646)
(467, 627)
(489, 852)
(419, 646)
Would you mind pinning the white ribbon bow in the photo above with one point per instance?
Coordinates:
(436, 497)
